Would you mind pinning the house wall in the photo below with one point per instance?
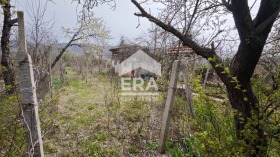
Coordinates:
(120, 54)
(146, 73)
(139, 73)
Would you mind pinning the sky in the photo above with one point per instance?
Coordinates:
(120, 21)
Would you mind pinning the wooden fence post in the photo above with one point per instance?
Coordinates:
(28, 97)
(169, 105)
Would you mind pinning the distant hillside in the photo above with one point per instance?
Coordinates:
(75, 49)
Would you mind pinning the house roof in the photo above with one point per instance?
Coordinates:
(124, 48)
(180, 50)
(140, 60)
(123, 52)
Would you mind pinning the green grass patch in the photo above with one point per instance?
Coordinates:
(77, 85)
(133, 150)
(151, 145)
(91, 107)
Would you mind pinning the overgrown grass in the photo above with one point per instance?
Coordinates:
(91, 121)
(12, 139)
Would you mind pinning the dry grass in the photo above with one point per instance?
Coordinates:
(91, 121)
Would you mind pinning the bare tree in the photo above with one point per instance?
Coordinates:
(39, 41)
(89, 29)
(252, 33)
(7, 67)
(156, 40)
(40, 35)
(90, 4)
(270, 60)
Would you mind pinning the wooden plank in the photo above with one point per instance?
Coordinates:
(28, 99)
(169, 106)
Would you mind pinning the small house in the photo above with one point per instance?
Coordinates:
(132, 61)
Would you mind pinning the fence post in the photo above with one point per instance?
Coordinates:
(206, 75)
(50, 70)
(28, 97)
(188, 91)
(169, 105)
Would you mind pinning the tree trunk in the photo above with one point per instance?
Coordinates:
(247, 117)
(8, 73)
(243, 100)
(253, 34)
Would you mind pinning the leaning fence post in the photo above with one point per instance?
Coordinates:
(169, 106)
(28, 98)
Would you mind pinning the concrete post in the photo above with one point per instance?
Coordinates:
(169, 105)
(188, 91)
(28, 97)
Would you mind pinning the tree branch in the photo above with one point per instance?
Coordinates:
(12, 22)
(269, 105)
(206, 53)
(242, 18)
(212, 6)
(227, 5)
(265, 19)
(266, 10)
(192, 17)
(271, 41)
(62, 51)
(273, 110)
(252, 35)
(187, 41)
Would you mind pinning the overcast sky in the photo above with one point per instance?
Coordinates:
(121, 21)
